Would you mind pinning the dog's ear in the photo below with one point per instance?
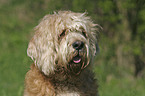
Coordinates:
(31, 51)
(98, 30)
(97, 49)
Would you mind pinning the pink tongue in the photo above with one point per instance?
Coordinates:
(77, 60)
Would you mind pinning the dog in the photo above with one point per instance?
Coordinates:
(63, 48)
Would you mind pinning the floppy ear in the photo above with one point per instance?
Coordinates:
(31, 51)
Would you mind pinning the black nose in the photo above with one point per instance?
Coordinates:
(78, 45)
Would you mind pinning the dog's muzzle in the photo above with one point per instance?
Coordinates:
(78, 61)
(78, 46)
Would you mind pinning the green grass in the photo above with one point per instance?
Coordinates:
(17, 21)
(14, 63)
(112, 82)
(122, 87)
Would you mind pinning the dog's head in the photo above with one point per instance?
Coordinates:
(64, 40)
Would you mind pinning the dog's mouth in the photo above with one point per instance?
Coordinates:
(76, 64)
(77, 59)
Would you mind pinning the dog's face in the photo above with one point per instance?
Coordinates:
(63, 41)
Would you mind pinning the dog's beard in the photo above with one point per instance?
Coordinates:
(75, 64)
(78, 62)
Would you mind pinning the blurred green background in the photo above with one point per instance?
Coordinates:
(119, 66)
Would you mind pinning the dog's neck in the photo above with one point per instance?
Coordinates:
(64, 77)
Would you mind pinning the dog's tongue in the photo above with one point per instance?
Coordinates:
(77, 59)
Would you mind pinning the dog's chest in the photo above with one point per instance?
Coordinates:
(68, 90)
(68, 94)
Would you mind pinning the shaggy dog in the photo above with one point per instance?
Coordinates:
(62, 49)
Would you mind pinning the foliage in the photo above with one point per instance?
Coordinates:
(122, 47)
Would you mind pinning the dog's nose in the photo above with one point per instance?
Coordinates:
(78, 45)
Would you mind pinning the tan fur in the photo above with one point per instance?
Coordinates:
(59, 69)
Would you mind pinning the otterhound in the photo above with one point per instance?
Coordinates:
(62, 49)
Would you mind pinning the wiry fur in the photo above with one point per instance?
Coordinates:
(53, 73)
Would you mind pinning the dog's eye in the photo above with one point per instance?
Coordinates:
(84, 33)
(62, 34)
